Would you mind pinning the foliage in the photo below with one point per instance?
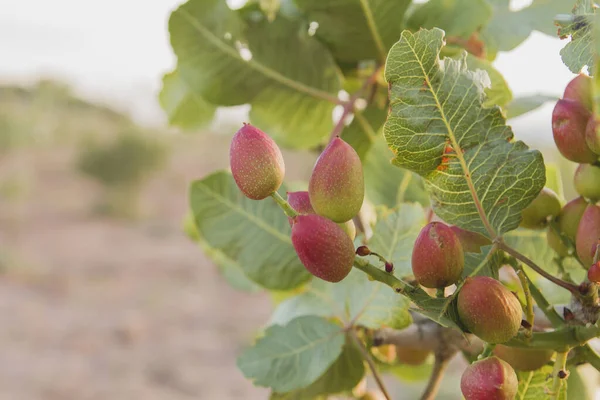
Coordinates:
(425, 110)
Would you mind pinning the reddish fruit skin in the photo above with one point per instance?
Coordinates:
(570, 215)
(556, 243)
(472, 242)
(587, 181)
(323, 247)
(580, 90)
(300, 201)
(489, 379)
(438, 258)
(569, 120)
(535, 215)
(592, 135)
(488, 309)
(588, 234)
(256, 163)
(337, 186)
(523, 359)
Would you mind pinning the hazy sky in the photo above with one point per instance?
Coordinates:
(117, 50)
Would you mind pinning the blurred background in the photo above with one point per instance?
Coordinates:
(102, 296)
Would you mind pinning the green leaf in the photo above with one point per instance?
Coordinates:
(255, 234)
(498, 93)
(537, 385)
(482, 176)
(293, 356)
(483, 264)
(395, 233)
(579, 52)
(525, 104)
(508, 29)
(356, 298)
(356, 30)
(459, 18)
(184, 108)
(343, 375)
(229, 269)
(388, 185)
(232, 58)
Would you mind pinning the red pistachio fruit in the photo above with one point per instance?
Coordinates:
(594, 273)
(472, 242)
(336, 186)
(569, 121)
(489, 379)
(570, 215)
(438, 258)
(580, 90)
(300, 201)
(256, 163)
(588, 234)
(488, 309)
(323, 247)
(592, 135)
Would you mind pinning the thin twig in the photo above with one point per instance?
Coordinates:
(560, 366)
(365, 353)
(559, 282)
(529, 314)
(349, 105)
(285, 206)
(435, 379)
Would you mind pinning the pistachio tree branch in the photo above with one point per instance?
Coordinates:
(435, 379)
(365, 353)
(351, 103)
(559, 374)
(559, 282)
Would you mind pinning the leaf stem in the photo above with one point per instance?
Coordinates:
(529, 314)
(379, 275)
(435, 379)
(559, 282)
(373, 28)
(285, 206)
(365, 353)
(560, 367)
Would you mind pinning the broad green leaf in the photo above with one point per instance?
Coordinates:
(537, 385)
(458, 18)
(356, 298)
(231, 58)
(293, 356)
(438, 127)
(231, 271)
(525, 104)
(254, 234)
(388, 185)
(356, 30)
(498, 93)
(343, 375)
(580, 51)
(507, 29)
(184, 108)
(395, 233)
